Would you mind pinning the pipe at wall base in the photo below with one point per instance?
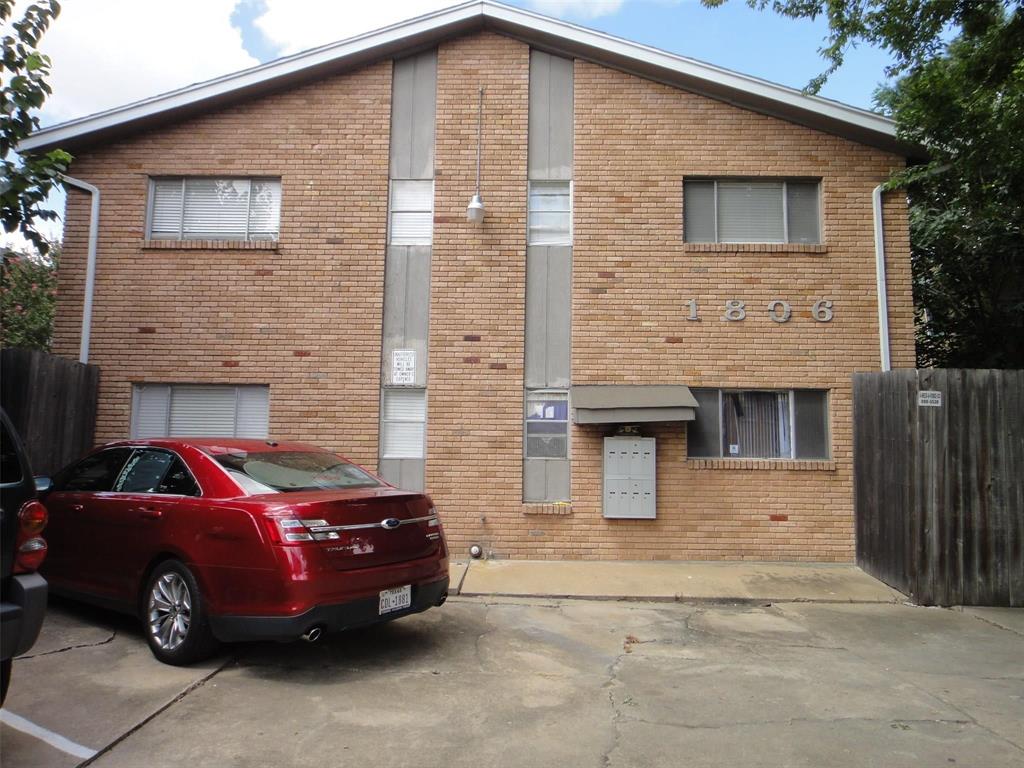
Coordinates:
(90, 270)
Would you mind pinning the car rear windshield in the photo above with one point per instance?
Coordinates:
(293, 471)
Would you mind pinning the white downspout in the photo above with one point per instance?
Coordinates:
(883, 300)
(90, 269)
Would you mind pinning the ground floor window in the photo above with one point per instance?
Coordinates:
(207, 410)
(759, 424)
(403, 421)
(547, 424)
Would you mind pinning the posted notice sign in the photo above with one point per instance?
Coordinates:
(929, 398)
(403, 366)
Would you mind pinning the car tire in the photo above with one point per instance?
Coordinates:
(5, 678)
(174, 616)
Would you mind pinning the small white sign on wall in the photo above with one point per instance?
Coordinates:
(403, 366)
(929, 398)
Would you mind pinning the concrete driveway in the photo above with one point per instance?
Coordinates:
(535, 682)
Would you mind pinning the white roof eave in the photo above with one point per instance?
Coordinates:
(399, 39)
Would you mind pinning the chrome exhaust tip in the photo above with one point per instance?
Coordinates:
(312, 635)
(441, 600)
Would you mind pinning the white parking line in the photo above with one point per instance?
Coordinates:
(55, 740)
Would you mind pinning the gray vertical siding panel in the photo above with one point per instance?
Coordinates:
(559, 316)
(413, 105)
(547, 353)
(407, 268)
(557, 479)
(548, 316)
(546, 480)
(551, 117)
(406, 307)
(536, 317)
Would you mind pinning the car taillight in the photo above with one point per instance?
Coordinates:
(31, 547)
(291, 530)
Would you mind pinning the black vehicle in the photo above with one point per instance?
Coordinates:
(22, 518)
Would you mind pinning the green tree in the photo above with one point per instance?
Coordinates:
(26, 181)
(960, 95)
(966, 108)
(28, 290)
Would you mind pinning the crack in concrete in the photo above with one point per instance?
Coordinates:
(67, 648)
(145, 721)
(617, 717)
(970, 718)
(895, 723)
(479, 638)
(995, 624)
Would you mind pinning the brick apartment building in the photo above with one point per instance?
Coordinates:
(643, 350)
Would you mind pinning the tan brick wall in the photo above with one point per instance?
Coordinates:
(242, 315)
(248, 315)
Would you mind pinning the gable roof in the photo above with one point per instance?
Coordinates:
(426, 31)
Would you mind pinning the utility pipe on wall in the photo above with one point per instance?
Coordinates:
(883, 300)
(90, 270)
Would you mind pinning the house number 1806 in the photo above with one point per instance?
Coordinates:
(779, 311)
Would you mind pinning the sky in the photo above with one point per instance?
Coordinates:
(107, 53)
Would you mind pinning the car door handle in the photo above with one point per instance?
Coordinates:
(150, 514)
(77, 507)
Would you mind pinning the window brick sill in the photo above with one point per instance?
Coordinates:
(819, 248)
(553, 508)
(211, 245)
(788, 465)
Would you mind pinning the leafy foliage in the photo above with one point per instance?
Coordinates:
(28, 287)
(911, 30)
(960, 95)
(967, 203)
(28, 180)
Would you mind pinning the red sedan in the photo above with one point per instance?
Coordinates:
(224, 540)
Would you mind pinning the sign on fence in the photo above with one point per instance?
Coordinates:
(939, 483)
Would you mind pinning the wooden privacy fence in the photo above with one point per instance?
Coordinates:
(939, 483)
(52, 403)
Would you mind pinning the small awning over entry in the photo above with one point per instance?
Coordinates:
(632, 403)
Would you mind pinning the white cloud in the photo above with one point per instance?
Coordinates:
(297, 25)
(107, 53)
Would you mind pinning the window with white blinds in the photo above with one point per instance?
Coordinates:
(207, 410)
(412, 212)
(403, 417)
(550, 213)
(741, 211)
(762, 424)
(200, 208)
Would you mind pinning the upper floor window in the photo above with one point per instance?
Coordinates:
(759, 424)
(744, 211)
(412, 211)
(550, 213)
(203, 208)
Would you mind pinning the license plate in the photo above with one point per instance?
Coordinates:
(395, 599)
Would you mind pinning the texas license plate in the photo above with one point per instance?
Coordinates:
(395, 599)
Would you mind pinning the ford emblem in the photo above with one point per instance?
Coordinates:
(391, 523)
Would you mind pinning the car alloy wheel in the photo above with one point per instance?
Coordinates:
(170, 611)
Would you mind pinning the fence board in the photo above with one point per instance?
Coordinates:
(52, 403)
(939, 491)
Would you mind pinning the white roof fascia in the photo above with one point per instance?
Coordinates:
(264, 73)
(648, 62)
(692, 68)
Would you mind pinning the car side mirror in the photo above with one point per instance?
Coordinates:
(43, 483)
